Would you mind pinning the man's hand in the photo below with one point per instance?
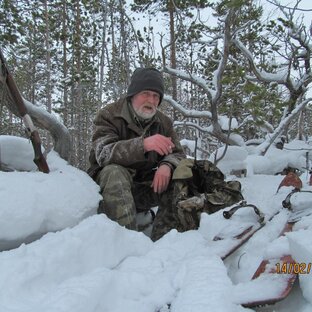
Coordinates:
(158, 143)
(161, 179)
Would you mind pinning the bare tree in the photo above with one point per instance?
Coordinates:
(293, 74)
(295, 78)
(212, 88)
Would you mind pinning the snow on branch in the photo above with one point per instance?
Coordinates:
(59, 133)
(43, 120)
(225, 123)
(220, 125)
(202, 83)
(223, 120)
(186, 112)
(261, 75)
(193, 124)
(262, 148)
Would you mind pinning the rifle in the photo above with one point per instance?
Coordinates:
(31, 130)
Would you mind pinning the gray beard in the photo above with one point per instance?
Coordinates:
(143, 120)
(143, 116)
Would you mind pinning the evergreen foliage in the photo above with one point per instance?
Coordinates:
(74, 56)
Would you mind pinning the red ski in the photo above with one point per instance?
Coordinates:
(283, 271)
(235, 241)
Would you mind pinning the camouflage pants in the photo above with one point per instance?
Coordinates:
(123, 197)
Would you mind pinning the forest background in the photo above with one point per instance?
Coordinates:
(236, 73)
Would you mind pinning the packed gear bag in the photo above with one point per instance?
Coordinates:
(200, 186)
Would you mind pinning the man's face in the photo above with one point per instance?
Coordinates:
(145, 103)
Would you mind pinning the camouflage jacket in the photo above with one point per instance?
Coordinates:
(118, 139)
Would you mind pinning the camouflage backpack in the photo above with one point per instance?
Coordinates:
(199, 186)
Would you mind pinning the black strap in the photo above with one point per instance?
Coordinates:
(228, 214)
(286, 202)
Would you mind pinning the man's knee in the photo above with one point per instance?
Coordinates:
(112, 174)
(115, 182)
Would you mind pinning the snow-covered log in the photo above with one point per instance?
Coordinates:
(42, 119)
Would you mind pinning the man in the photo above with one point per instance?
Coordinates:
(135, 150)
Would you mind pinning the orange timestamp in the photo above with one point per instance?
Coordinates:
(293, 268)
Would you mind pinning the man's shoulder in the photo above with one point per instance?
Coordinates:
(113, 108)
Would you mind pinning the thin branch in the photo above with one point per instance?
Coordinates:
(262, 148)
(289, 8)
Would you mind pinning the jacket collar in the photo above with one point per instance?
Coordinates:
(125, 112)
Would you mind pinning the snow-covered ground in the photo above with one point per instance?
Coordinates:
(88, 263)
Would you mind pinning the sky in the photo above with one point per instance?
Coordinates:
(304, 9)
(57, 254)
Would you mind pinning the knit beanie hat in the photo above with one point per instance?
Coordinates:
(146, 79)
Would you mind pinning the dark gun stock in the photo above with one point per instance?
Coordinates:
(31, 130)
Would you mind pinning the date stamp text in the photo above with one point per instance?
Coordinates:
(293, 268)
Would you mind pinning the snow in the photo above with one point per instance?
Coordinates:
(226, 123)
(57, 254)
(12, 159)
(231, 158)
(36, 203)
(301, 247)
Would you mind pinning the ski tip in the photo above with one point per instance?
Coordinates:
(291, 179)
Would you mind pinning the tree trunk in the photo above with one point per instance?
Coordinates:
(65, 64)
(48, 66)
(173, 61)
(103, 49)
